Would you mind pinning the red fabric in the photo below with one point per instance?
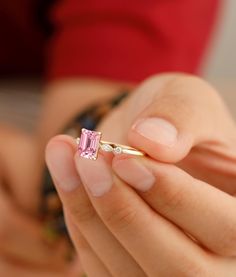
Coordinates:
(118, 39)
(21, 40)
(129, 40)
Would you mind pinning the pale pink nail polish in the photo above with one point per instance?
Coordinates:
(60, 161)
(95, 175)
(133, 172)
(157, 130)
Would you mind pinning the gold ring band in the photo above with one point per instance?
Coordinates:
(119, 148)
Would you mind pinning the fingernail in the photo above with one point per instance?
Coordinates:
(157, 130)
(96, 175)
(133, 172)
(60, 161)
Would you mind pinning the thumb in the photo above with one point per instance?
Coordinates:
(186, 112)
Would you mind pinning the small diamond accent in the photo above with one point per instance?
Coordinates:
(117, 150)
(107, 147)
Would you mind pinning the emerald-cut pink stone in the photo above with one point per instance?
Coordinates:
(89, 144)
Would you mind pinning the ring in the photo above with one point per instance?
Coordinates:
(90, 143)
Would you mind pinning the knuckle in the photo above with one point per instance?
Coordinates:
(122, 217)
(84, 214)
(172, 198)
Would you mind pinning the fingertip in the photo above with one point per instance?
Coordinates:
(60, 161)
(61, 139)
(59, 144)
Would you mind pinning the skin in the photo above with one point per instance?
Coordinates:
(170, 213)
(16, 178)
(23, 247)
(24, 250)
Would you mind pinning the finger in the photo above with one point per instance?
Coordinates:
(60, 159)
(92, 265)
(153, 241)
(203, 211)
(185, 112)
(22, 237)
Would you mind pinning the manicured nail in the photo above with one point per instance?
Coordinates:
(134, 173)
(157, 130)
(60, 161)
(95, 175)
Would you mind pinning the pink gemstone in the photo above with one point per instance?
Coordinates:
(89, 144)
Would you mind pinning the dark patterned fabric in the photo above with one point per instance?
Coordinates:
(51, 208)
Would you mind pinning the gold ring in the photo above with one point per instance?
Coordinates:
(90, 143)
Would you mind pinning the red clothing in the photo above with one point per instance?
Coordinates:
(119, 39)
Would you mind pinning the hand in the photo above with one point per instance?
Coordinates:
(24, 248)
(72, 96)
(175, 225)
(20, 170)
(198, 132)
(24, 251)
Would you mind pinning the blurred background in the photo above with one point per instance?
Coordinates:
(219, 68)
(111, 39)
(220, 64)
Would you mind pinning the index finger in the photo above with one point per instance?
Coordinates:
(153, 241)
